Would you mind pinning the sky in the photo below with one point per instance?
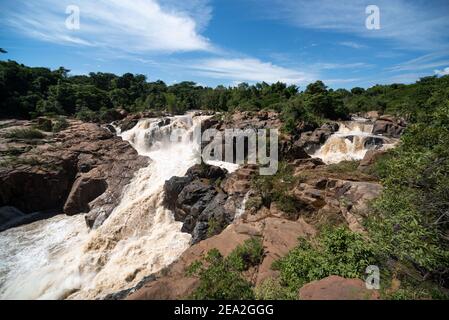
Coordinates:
(226, 42)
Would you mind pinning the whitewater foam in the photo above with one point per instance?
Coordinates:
(351, 142)
(59, 258)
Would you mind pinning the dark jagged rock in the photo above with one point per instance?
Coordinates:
(312, 140)
(389, 126)
(199, 202)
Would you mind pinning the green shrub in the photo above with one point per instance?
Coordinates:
(59, 124)
(338, 251)
(221, 278)
(410, 219)
(250, 253)
(85, 114)
(44, 124)
(271, 289)
(26, 133)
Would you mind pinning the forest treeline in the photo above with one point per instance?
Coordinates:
(27, 92)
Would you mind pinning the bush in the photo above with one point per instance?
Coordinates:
(338, 251)
(85, 114)
(271, 289)
(410, 219)
(60, 123)
(221, 278)
(26, 133)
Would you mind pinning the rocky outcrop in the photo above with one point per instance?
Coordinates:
(278, 236)
(337, 288)
(206, 198)
(80, 169)
(84, 190)
(311, 140)
(389, 126)
(371, 157)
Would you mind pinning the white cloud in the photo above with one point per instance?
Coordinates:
(443, 72)
(428, 61)
(352, 44)
(418, 24)
(134, 26)
(250, 70)
(330, 66)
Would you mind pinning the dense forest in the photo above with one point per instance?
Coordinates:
(29, 92)
(409, 222)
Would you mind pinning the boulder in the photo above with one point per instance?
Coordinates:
(370, 158)
(337, 288)
(311, 140)
(389, 126)
(82, 168)
(291, 150)
(84, 190)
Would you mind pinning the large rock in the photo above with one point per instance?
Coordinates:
(311, 140)
(279, 237)
(337, 288)
(84, 190)
(389, 126)
(82, 168)
(291, 150)
(370, 158)
(198, 201)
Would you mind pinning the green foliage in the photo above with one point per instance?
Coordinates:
(410, 221)
(250, 253)
(221, 278)
(44, 124)
(213, 227)
(338, 251)
(26, 133)
(271, 289)
(276, 188)
(59, 124)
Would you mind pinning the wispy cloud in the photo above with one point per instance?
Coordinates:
(330, 66)
(134, 26)
(443, 72)
(250, 70)
(409, 24)
(424, 62)
(352, 44)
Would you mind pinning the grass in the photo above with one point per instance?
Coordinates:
(26, 134)
(343, 167)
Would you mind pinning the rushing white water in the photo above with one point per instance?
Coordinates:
(58, 258)
(351, 142)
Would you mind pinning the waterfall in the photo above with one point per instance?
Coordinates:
(59, 258)
(351, 142)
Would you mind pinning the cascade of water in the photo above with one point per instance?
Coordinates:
(351, 142)
(58, 258)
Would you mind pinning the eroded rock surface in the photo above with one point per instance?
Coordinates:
(80, 169)
(337, 288)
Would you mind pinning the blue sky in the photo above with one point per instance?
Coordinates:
(229, 41)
